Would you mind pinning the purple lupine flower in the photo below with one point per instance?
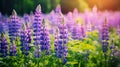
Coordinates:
(105, 32)
(26, 18)
(57, 15)
(57, 45)
(44, 39)
(75, 33)
(13, 51)
(65, 60)
(36, 29)
(13, 26)
(3, 46)
(29, 36)
(115, 53)
(28, 33)
(37, 25)
(1, 27)
(105, 46)
(105, 36)
(78, 32)
(112, 47)
(82, 31)
(25, 47)
(62, 41)
(70, 22)
(28, 25)
(58, 9)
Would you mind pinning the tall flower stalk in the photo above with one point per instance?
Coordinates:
(25, 47)
(104, 39)
(14, 26)
(44, 38)
(105, 36)
(61, 40)
(3, 46)
(57, 45)
(29, 32)
(37, 24)
(45, 41)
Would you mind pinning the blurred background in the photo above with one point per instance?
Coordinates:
(26, 6)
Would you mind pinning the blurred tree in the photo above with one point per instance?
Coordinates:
(82, 5)
(23, 6)
(6, 6)
(69, 5)
(54, 3)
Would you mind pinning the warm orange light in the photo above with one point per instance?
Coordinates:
(105, 4)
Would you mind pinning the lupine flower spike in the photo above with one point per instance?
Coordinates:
(36, 29)
(25, 47)
(105, 36)
(58, 9)
(3, 46)
(63, 39)
(57, 45)
(44, 38)
(28, 32)
(13, 26)
(37, 25)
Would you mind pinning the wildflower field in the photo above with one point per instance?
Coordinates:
(75, 39)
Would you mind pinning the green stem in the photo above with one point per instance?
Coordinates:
(38, 62)
(78, 63)
(105, 60)
(59, 62)
(24, 61)
(44, 59)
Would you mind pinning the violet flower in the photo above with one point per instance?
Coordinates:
(44, 38)
(61, 40)
(105, 36)
(3, 46)
(25, 47)
(13, 26)
(37, 25)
